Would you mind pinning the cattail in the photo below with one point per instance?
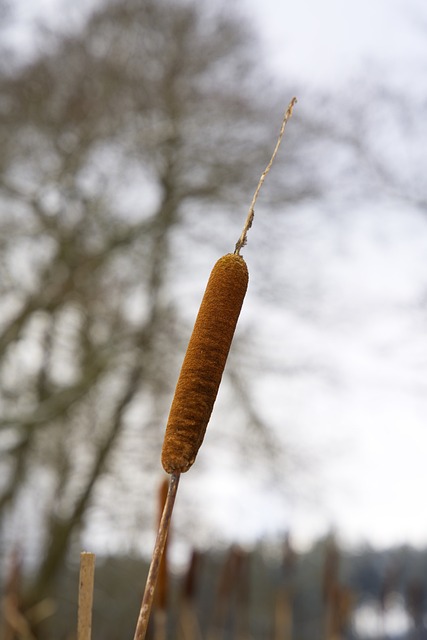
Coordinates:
(232, 586)
(188, 621)
(189, 587)
(200, 377)
(204, 363)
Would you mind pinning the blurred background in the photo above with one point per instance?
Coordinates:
(133, 134)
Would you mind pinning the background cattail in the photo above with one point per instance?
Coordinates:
(232, 595)
(189, 627)
(189, 587)
(161, 599)
(204, 363)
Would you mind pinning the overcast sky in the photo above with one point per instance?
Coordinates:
(324, 43)
(371, 421)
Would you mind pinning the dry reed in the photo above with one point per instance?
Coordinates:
(200, 377)
(162, 590)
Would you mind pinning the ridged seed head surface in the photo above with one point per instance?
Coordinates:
(204, 363)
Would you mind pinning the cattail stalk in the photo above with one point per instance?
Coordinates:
(12, 621)
(283, 619)
(188, 623)
(284, 612)
(161, 594)
(330, 585)
(147, 601)
(229, 585)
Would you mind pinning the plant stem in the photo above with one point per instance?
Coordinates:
(250, 217)
(150, 586)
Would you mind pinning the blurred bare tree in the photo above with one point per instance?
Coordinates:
(124, 147)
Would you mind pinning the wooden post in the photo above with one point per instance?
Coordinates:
(86, 580)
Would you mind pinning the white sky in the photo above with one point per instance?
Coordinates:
(322, 43)
(372, 423)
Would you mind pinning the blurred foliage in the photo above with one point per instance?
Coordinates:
(126, 148)
(256, 593)
(129, 149)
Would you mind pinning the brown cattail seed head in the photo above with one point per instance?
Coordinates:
(204, 363)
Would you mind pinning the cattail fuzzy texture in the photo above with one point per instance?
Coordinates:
(204, 363)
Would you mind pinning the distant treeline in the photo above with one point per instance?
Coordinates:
(269, 592)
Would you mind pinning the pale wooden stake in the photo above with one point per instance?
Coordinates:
(86, 580)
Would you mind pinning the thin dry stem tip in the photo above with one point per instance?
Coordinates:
(250, 217)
